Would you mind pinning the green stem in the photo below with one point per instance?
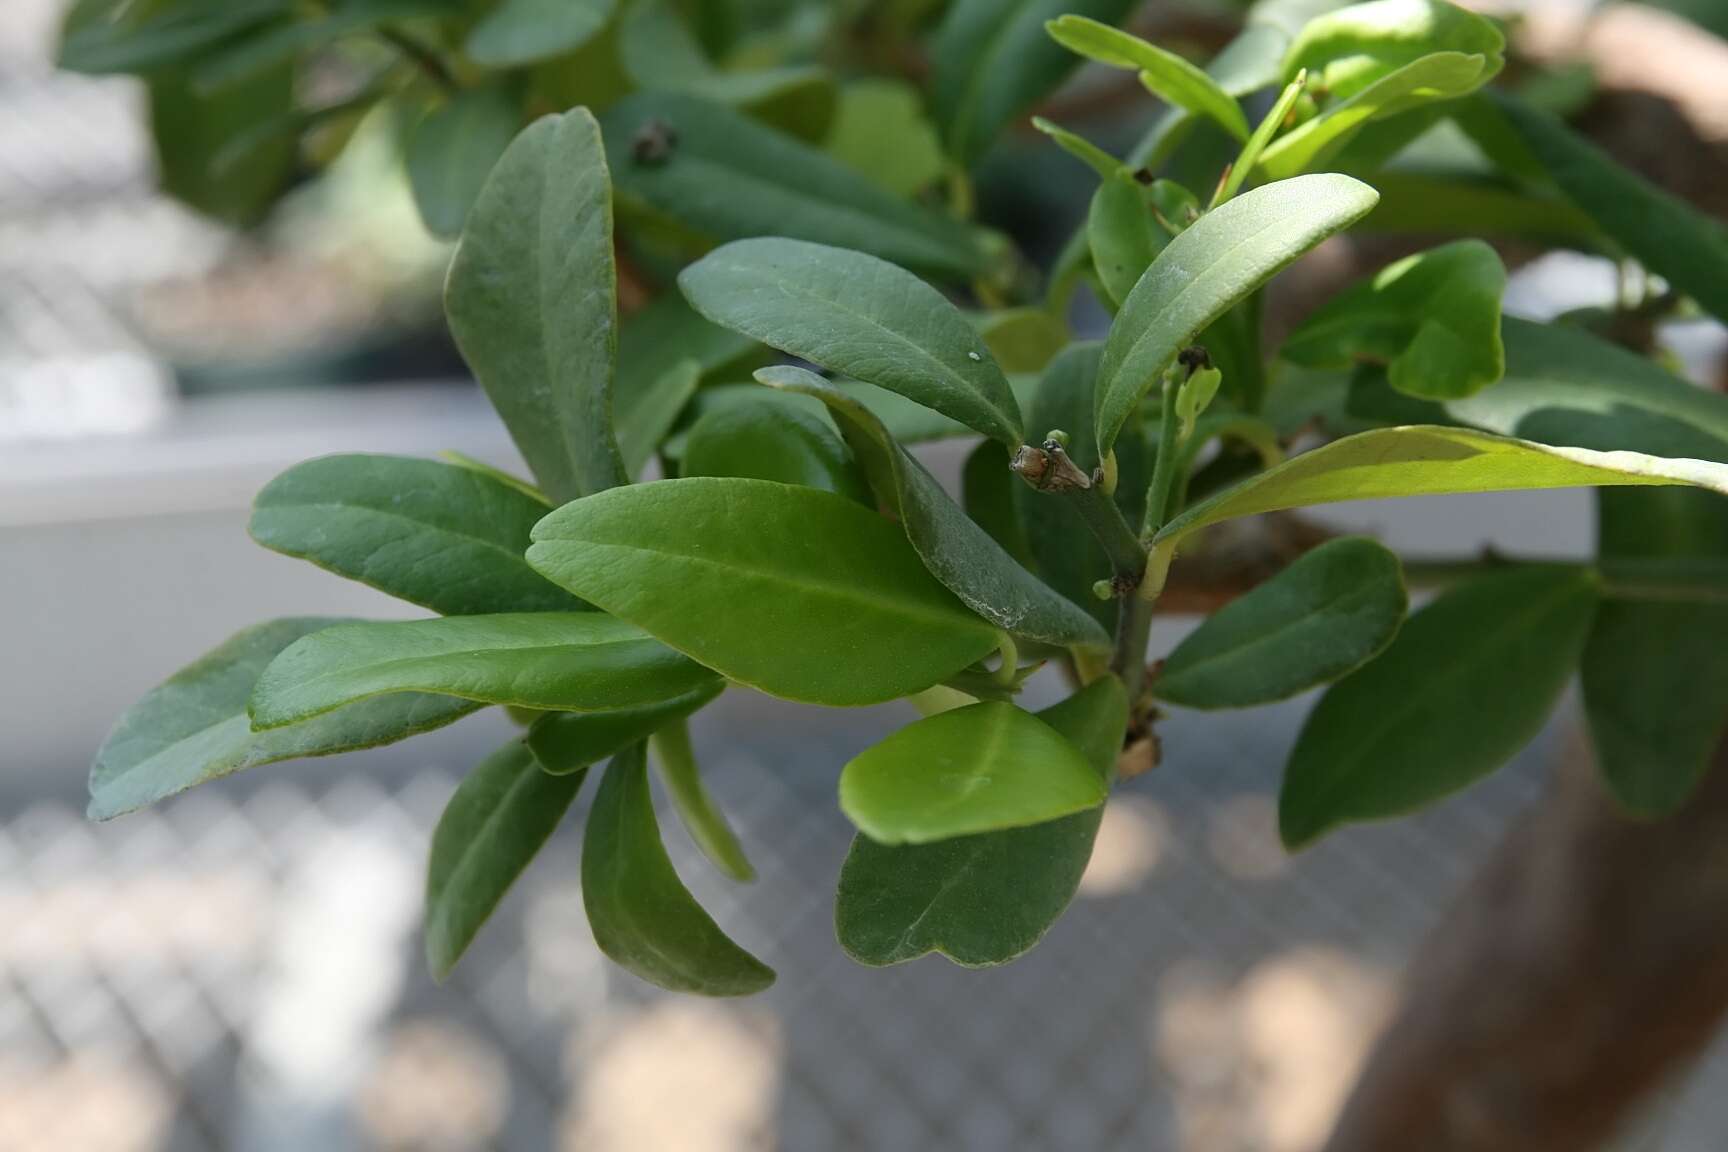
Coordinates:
(1164, 467)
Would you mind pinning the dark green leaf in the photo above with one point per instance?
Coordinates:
(981, 900)
(532, 302)
(522, 31)
(642, 916)
(191, 132)
(981, 768)
(1022, 340)
(860, 316)
(565, 742)
(502, 814)
(987, 493)
(798, 592)
(441, 536)
(452, 151)
(1429, 204)
(194, 728)
(1216, 262)
(561, 661)
(955, 550)
(1332, 610)
(771, 439)
(719, 173)
(1467, 684)
(283, 42)
(701, 816)
(644, 419)
(108, 36)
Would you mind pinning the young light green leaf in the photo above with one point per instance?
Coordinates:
(1246, 65)
(1165, 74)
(1666, 234)
(993, 60)
(1246, 160)
(560, 661)
(800, 593)
(771, 439)
(532, 302)
(1655, 674)
(701, 816)
(1467, 684)
(1432, 318)
(1219, 260)
(728, 177)
(981, 768)
(1124, 234)
(1442, 76)
(1082, 149)
(956, 551)
(194, 728)
(860, 316)
(519, 32)
(500, 817)
(441, 536)
(1350, 48)
(566, 742)
(880, 130)
(451, 152)
(642, 916)
(499, 475)
(1331, 611)
(981, 900)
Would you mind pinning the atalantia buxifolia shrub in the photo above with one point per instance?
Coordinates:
(798, 548)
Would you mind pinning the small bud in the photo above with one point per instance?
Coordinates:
(1057, 436)
(1104, 589)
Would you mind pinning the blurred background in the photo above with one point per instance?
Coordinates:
(239, 970)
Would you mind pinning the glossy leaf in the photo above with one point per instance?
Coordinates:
(987, 899)
(880, 130)
(642, 916)
(445, 537)
(956, 550)
(773, 440)
(1165, 74)
(993, 60)
(1216, 262)
(561, 661)
(1465, 686)
(193, 727)
(1432, 318)
(701, 816)
(1666, 234)
(798, 592)
(532, 302)
(451, 152)
(1124, 234)
(1655, 674)
(981, 768)
(727, 177)
(500, 817)
(1082, 149)
(520, 32)
(566, 742)
(1349, 49)
(1332, 610)
(860, 316)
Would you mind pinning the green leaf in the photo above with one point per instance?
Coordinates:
(1349, 49)
(701, 816)
(500, 817)
(1656, 674)
(194, 728)
(441, 536)
(855, 314)
(1219, 260)
(1021, 340)
(1082, 149)
(566, 742)
(987, 899)
(561, 661)
(497, 474)
(647, 414)
(800, 593)
(1332, 610)
(1667, 235)
(727, 177)
(103, 37)
(1442, 76)
(880, 130)
(520, 32)
(1432, 318)
(773, 440)
(191, 132)
(451, 152)
(642, 916)
(993, 60)
(283, 42)
(1425, 461)
(1249, 158)
(987, 493)
(1246, 65)
(1466, 685)
(1429, 204)
(1165, 74)
(1124, 234)
(663, 352)
(532, 302)
(956, 551)
(981, 768)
